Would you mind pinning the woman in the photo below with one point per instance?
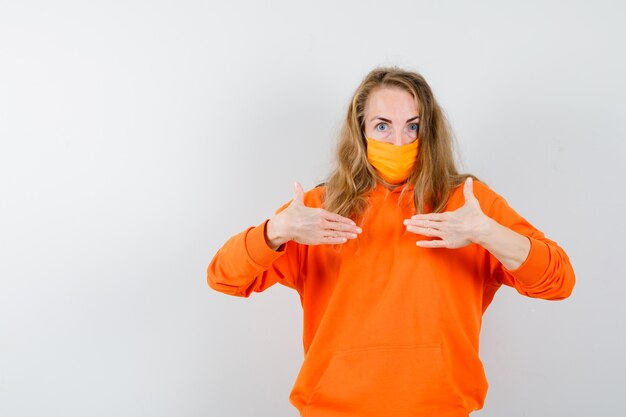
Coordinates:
(395, 258)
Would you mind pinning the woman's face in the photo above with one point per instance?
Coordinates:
(391, 116)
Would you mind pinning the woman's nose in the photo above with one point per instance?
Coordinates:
(398, 138)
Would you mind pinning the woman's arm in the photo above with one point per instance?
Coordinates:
(246, 263)
(520, 255)
(508, 246)
(543, 271)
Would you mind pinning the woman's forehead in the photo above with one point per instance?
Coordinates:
(391, 100)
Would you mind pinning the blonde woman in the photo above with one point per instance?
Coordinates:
(395, 258)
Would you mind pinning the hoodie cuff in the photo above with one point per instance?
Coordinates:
(258, 250)
(533, 269)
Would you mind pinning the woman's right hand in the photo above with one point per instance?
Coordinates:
(309, 225)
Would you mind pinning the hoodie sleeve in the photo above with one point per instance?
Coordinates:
(246, 263)
(547, 271)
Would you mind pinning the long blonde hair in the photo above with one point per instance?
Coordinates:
(434, 174)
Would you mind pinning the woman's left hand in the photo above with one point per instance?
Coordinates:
(455, 229)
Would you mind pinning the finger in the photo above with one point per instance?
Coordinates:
(431, 216)
(348, 234)
(439, 225)
(426, 231)
(468, 189)
(299, 193)
(440, 243)
(336, 217)
(329, 240)
(330, 225)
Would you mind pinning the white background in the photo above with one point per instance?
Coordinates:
(137, 136)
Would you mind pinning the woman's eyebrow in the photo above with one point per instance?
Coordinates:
(389, 121)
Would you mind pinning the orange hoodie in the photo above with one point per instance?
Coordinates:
(391, 329)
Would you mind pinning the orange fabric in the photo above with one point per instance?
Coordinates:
(390, 328)
(393, 162)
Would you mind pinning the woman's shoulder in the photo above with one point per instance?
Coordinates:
(483, 192)
(313, 197)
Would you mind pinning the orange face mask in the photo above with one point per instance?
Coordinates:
(393, 163)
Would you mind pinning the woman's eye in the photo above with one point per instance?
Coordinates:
(379, 125)
(413, 126)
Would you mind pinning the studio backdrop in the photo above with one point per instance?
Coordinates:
(136, 137)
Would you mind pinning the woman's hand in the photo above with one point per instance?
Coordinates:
(308, 225)
(455, 229)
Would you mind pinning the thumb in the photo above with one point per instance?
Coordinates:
(299, 192)
(468, 190)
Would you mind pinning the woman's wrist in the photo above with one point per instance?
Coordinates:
(508, 246)
(484, 233)
(275, 235)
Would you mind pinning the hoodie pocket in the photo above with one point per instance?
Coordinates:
(386, 380)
